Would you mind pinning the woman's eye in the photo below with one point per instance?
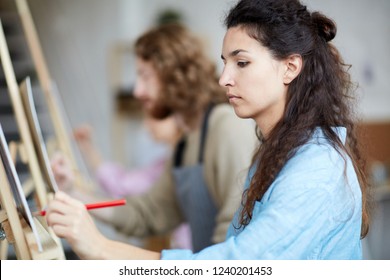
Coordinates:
(242, 64)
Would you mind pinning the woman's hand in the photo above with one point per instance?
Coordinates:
(70, 219)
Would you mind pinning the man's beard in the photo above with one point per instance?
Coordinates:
(160, 111)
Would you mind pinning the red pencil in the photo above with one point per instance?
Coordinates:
(91, 206)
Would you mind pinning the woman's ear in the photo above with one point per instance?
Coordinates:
(293, 68)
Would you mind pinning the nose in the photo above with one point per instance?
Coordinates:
(226, 78)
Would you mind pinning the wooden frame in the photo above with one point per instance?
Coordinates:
(17, 190)
(61, 126)
(22, 122)
(27, 234)
(36, 133)
(19, 231)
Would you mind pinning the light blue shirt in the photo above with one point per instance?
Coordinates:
(312, 210)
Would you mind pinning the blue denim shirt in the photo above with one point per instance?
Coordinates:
(312, 210)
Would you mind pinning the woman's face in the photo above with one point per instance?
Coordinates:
(253, 79)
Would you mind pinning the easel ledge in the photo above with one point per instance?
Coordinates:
(19, 234)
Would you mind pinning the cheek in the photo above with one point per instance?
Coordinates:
(255, 86)
(263, 90)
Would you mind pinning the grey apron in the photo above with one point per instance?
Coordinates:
(193, 195)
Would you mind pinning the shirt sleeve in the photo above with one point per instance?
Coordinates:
(311, 211)
(284, 228)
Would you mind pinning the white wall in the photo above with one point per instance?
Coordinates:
(77, 35)
(363, 39)
(204, 17)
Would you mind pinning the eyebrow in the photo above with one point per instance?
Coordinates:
(234, 53)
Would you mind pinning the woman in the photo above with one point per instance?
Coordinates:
(306, 193)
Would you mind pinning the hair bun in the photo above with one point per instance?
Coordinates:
(326, 27)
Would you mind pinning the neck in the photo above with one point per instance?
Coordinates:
(268, 119)
(267, 124)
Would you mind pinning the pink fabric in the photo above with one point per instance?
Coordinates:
(118, 182)
(181, 237)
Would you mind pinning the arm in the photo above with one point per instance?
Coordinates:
(153, 212)
(277, 230)
(311, 211)
(69, 219)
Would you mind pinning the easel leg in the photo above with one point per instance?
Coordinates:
(4, 249)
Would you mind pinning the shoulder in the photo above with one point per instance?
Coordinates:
(321, 175)
(318, 164)
(315, 161)
(318, 154)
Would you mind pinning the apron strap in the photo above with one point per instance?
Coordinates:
(180, 147)
(178, 156)
(204, 132)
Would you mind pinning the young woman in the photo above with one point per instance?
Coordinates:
(306, 193)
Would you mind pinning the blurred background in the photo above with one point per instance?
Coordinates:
(87, 45)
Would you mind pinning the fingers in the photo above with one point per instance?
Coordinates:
(65, 215)
(67, 200)
(69, 219)
(63, 205)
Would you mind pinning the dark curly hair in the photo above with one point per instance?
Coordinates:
(320, 96)
(188, 77)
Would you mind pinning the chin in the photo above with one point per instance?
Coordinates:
(240, 114)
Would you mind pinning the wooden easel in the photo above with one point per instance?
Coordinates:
(9, 215)
(18, 232)
(21, 120)
(11, 225)
(63, 139)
